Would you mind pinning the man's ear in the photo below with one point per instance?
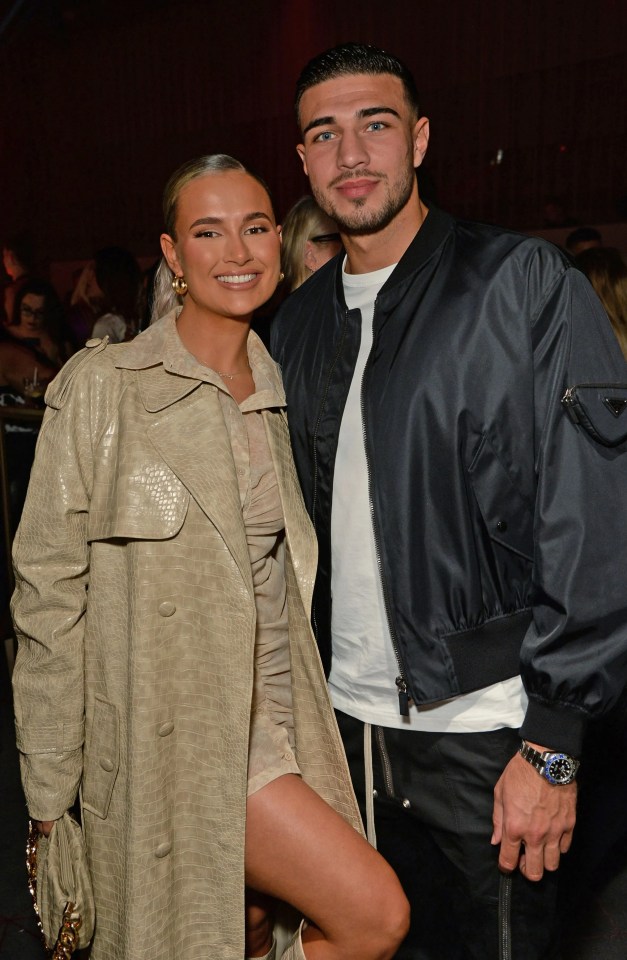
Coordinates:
(300, 150)
(169, 252)
(421, 140)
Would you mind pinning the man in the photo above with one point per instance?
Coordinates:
(471, 525)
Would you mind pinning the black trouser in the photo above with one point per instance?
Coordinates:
(433, 818)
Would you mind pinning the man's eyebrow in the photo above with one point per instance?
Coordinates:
(319, 122)
(360, 115)
(371, 111)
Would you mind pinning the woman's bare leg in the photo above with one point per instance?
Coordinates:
(298, 849)
(260, 910)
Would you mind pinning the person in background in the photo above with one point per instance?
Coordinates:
(583, 238)
(18, 258)
(467, 487)
(85, 305)
(119, 279)
(164, 566)
(606, 270)
(310, 239)
(39, 322)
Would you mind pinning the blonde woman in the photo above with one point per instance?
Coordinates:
(164, 566)
(606, 270)
(310, 239)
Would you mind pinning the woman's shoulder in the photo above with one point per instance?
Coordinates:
(91, 369)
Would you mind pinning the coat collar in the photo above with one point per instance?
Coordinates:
(168, 372)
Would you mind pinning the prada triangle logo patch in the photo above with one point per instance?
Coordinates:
(616, 405)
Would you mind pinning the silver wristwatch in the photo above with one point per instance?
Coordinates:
(557, 768)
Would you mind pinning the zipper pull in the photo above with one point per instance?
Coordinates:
(568, 402)
(403, 697)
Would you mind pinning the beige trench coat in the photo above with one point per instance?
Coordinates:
(136, 621)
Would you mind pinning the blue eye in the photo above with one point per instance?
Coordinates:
(377, 125)
(323, 137)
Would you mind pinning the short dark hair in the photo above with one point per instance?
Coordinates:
(350, 59)
(582, 235)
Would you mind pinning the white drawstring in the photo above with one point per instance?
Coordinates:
(370, 830)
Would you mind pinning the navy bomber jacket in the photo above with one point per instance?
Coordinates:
(500, 509)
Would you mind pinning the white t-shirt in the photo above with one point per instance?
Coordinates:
(364, 667)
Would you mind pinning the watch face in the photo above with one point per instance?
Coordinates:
(559, 768)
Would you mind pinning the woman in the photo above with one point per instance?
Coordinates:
(85, 304)
(310, 239)
(606, 270)
(38, 322)
(212, 762)
(118, 277)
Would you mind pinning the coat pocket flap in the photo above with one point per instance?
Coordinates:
(101, 758)
(507, 515)
(150, 505)
(601, 409)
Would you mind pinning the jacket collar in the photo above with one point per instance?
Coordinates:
(433, 230)
(167, 372)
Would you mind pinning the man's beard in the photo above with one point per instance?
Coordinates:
(360, 222)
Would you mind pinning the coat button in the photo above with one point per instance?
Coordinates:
(93, 342)
(106, 764)
(288, 755)
(501, 526)
(166, 728)
(167, 608)
(163, 850)
(406, 804)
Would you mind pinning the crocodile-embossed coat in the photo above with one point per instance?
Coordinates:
(135, 616)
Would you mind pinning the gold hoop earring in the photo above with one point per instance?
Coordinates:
(179, 285)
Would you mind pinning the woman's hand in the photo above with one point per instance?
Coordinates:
(44, 826)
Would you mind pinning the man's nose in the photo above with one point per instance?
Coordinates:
(352, 151)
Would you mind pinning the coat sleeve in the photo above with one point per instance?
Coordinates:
(51, 562)
(574, 657)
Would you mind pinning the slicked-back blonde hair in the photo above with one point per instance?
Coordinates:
(165, 299)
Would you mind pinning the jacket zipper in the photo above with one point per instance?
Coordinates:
(385, 762)
(505, 911)
(569, 400)
(401, 682)
(314, 496)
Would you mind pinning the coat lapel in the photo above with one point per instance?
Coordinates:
(191, 437)
(300, 533)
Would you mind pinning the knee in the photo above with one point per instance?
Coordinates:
(389, 926)
(259, 927)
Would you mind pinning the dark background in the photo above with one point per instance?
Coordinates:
(101, 99)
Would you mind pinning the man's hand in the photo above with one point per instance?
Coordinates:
(532, 813)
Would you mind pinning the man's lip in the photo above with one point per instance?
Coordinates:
(357, 188)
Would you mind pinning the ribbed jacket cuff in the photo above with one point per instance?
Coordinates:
(555, 726)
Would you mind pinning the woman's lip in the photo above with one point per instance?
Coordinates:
(357, 188)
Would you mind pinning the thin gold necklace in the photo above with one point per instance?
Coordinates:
(230, 376)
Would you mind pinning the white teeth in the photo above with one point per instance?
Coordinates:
(239, 278)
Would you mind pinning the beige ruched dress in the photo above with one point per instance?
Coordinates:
(271, 748)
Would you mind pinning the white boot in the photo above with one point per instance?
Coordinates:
(270, 955)
(295, 948)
